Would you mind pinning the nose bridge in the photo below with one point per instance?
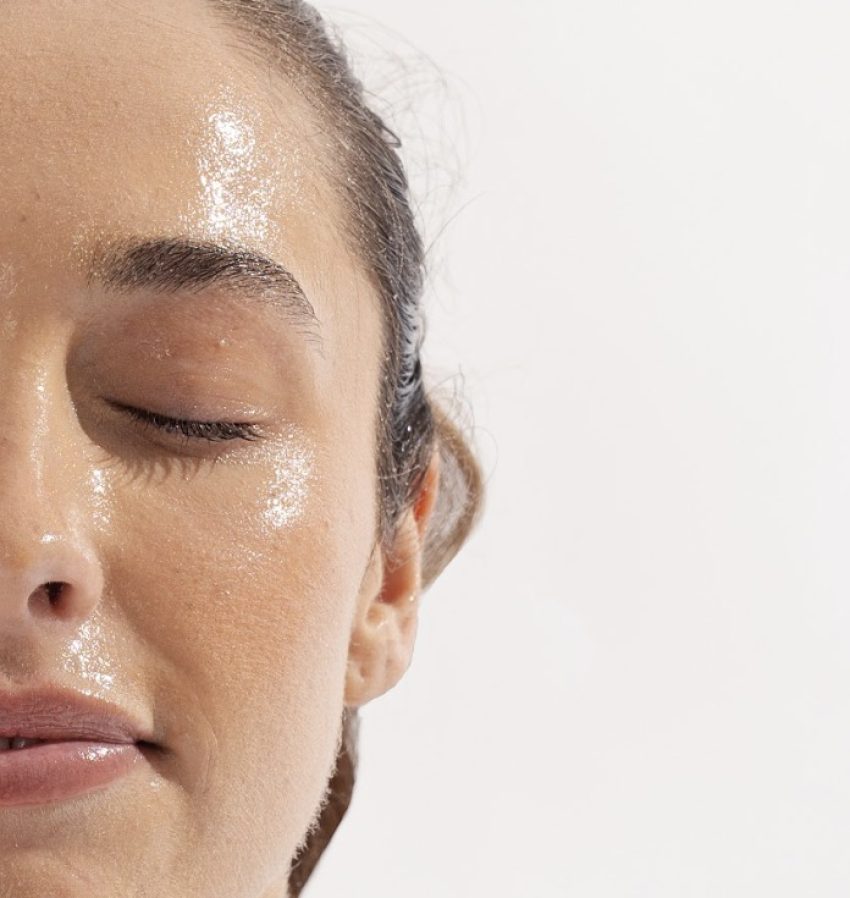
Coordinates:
(48, 566)
(30, 448)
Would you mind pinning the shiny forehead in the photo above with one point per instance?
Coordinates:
(156, 123)
(108, 99)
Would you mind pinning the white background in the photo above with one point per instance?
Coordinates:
(634, 680)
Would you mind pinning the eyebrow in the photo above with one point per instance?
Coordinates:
(183, 265)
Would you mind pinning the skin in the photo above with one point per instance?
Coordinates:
(228, 594)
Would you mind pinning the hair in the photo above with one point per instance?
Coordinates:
(370, 178)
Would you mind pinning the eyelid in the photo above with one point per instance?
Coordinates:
(210, 431)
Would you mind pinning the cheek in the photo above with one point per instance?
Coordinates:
(242, 579)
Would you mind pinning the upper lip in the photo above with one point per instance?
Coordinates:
(54, 713)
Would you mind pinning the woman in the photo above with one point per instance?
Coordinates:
(224, 486)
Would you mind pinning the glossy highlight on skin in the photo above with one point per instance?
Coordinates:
(87, 659)
(287, 493)
(239, 180)
(99, 490)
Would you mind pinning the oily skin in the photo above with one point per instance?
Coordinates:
(229, 594)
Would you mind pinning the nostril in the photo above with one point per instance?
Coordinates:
(54, 590)
(62, 585)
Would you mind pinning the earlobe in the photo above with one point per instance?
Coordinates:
(384, 629)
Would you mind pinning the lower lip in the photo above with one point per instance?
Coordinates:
(52, 771)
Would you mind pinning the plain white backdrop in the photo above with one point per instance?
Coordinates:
(634, 680)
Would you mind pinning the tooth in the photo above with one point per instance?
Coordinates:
(12, 743)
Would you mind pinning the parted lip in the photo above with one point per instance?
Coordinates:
(58, 714)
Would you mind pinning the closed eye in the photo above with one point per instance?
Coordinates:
(212, 431)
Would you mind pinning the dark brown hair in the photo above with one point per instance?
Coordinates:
(370, 178)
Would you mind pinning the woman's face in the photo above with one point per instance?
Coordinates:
(211, 585)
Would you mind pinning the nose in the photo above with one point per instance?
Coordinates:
(51, 578)
(50, 573)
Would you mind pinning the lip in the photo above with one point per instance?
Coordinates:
(88, 743)
(63, 714)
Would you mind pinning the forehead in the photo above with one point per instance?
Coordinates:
(150, 119)
(108, 111)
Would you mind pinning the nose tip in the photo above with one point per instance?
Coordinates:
(58, 580)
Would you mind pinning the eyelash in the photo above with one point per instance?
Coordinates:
(211, 431)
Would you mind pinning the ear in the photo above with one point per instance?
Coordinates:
(385, 623)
